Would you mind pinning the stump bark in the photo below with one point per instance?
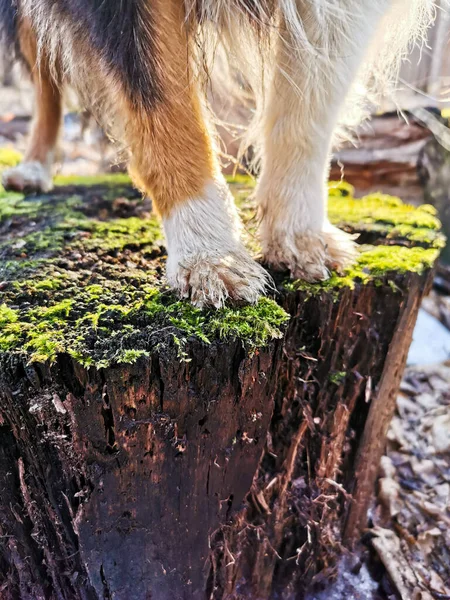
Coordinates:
(149, 450)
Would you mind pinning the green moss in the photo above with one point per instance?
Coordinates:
(9, 157)
(7, 315)
(384, 216)
(84, 275)
(44, 346)
(121, 233)
(9, 327)
(115, 314)
(375, 264)
(107, 333)
(340, 189)
(15, 205)
(337, 377)
(88, 180)
(241, 180)
(46, 284)
(254, 325)
(52, 313)
(12, 157)
(380, 260)
(129, 357)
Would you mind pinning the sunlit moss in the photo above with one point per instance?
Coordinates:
(7, 315)
(374, 263)
(385, 215)
(379, 260)
(9, 157)
(56, 329)
(131, 356)
(83, 180)
(85, 277)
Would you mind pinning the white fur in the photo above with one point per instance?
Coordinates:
(306, 96)
(405, 23)
(28, 176)
(322, 63)
(206, 258)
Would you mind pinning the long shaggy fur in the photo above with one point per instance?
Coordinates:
(122, 34)
(93, 41)
(257, 24)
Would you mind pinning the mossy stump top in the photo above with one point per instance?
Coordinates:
(82, 270)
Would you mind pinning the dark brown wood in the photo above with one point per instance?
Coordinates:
(382, 408)
(117, 478)
(317, 474)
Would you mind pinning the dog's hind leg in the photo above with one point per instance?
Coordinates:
(315, 67)
(35, 172)
(173, 161)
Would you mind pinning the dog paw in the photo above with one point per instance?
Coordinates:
(30, 176)
(210, 280)
(310, 255)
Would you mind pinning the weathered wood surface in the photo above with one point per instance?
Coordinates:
(400, 156)
(223, 471)
(339, 373)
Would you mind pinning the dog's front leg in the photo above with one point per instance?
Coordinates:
(313, 71)
(173, 160)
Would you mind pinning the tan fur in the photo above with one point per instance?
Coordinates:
(171, 158)
(35, 172)
(46, 126)
(172, 155)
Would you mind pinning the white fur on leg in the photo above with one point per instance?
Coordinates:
(206, 258)
(29, 176)
(306, 97)
(295, 232)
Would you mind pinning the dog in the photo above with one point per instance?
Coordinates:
(142, 66)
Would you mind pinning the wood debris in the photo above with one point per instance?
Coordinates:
(412, 516)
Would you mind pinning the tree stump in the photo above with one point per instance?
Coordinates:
(152, 450)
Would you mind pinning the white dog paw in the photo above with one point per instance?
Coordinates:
(30, 176)
(311, 255)
(211, 280)
(207, 261)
